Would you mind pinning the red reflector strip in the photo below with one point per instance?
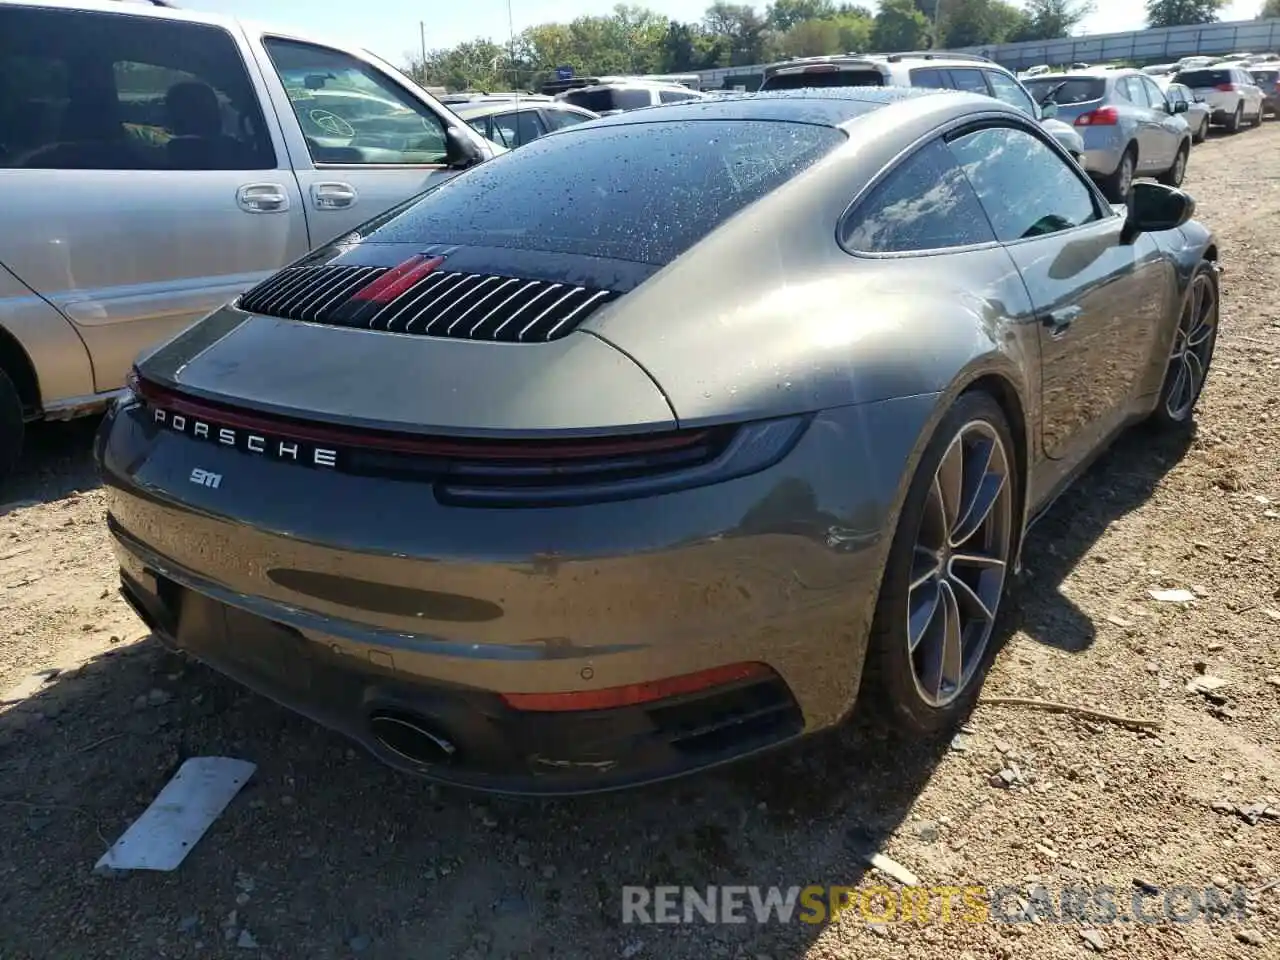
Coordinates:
(632, 694)
(396, 281)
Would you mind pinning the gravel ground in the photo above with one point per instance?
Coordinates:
(326, 854)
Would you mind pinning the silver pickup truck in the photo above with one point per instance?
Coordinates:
(155, 162)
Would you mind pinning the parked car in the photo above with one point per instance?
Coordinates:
(514, 123)
(607, 96)
(1267, 78)
(1129, 128)
(154, 162)
(1230, 92)
(515, 485)
(946, 71)
(1196, 113)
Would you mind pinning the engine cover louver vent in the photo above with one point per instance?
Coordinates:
(415, 298)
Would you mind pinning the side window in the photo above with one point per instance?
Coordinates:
(675, 96)
(93, 91)
(928, 77)
(559, 119)
(924, 204)
(1155, 95)
(1137, 92)
(1010, 91)
(528, 126)
(480, 125)
(970, 80)
(1026, 189)
(504, 129)
(631, 98)
(351, 113)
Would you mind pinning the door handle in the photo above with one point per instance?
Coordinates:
(333, 195)
(262, 198)
(1059, 321)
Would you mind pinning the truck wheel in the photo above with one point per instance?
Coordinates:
(11, 427)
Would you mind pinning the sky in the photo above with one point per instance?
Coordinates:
(390, 27)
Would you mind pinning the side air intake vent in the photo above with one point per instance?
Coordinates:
(415, 298)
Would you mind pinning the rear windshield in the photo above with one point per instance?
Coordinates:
(1204, 78)
(825, 78)
(610, 98)
(1066, 92)
(1266, 76)
(644, 191)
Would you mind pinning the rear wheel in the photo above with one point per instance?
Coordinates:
(1237, 119)
(1192, 352)
(1257, 118)
(11, 427)
(1173, 177)
(931, 640)
(1202, 132)
(1116, 187)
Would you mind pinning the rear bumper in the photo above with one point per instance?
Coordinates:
(451, 733)
(375, 596)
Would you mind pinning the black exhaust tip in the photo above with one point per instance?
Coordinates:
(412, 737)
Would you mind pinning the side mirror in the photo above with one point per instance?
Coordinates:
(460, 151)
(1181, 106)
(1048, 110)
(1153, 207)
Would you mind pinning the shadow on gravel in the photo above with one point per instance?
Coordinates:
(57, 460)
(328, 854)
(1121, 481)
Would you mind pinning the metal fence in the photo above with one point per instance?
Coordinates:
(1156, 45)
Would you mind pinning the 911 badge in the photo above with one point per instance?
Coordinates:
(206, 478)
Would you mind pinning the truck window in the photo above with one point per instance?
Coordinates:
(95, 91)
(351, 113)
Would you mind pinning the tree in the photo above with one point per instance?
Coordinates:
(899, 26)
(743, 33)
(1270, 9)
(782, 15)
(1051, 19)
(971, 23)
(1175, 13)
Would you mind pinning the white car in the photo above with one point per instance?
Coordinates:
(1234, 98)
(951, 71)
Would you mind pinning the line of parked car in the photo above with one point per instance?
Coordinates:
(154, 162)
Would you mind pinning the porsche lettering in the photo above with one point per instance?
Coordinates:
(277, 448)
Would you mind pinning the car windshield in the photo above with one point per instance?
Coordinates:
(1068, 91)
(823, 78)
(644, 192)
(1204, 78)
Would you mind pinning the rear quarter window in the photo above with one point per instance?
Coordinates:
(1266, 76)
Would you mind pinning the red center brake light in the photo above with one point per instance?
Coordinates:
(1102, 117)
(1226, 87)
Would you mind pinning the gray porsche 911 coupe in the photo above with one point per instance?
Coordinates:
(660, 441)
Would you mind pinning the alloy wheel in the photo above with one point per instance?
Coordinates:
(1179, 168)
(960, 560)
(1192, 348)
(1126, 174)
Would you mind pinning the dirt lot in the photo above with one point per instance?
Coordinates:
(325, 854)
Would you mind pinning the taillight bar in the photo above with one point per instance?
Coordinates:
(586, 448)
(1102, 117)
(1226, 88)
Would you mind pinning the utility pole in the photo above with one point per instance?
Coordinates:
(422, 35)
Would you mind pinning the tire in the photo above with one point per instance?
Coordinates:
(1191, 353)
(898, 681)
(1237, 119)
(1174, 176)
(1117, 185)
(1257, 119)
(11, 426)
(1202, 133)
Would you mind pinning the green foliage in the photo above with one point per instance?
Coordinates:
(1269, 9)
(1175, 13)
(900, 26)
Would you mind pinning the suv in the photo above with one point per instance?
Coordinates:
(952, 71)
(515, 122)
(1231, 92)
(156, 162)
(1129, 126)
(606, 96)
